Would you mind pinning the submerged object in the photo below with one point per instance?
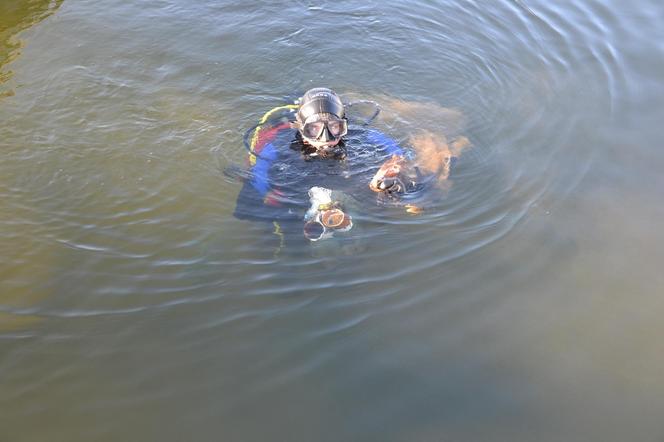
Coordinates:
(413, 209)
(325, 217)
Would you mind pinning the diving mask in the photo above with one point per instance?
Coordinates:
(325, 217)
(325, 223)
(324, 127)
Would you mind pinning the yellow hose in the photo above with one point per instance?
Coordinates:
(266, 116)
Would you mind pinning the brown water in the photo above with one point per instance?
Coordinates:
(525, 305)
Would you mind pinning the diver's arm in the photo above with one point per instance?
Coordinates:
(258, 199)
(260, 175)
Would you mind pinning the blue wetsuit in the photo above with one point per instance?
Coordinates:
(284, 171)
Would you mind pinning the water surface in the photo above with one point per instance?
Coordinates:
(525, 305)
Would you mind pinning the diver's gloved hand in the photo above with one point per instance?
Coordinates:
(389, 177)
(392, 185)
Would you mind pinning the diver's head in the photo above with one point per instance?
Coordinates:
(320, 118)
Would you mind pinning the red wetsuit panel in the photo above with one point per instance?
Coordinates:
(267, 135)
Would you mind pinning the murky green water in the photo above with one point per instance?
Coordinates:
(525, 305)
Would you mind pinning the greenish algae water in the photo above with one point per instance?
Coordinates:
(524, 305)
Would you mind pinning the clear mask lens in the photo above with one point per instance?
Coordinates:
(336, 127)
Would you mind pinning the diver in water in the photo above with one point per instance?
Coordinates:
(317, 148)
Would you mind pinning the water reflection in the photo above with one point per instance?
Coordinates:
(526, 306)
(15, 17)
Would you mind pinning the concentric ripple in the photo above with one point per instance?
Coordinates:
(130, 290)
(124, 193)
